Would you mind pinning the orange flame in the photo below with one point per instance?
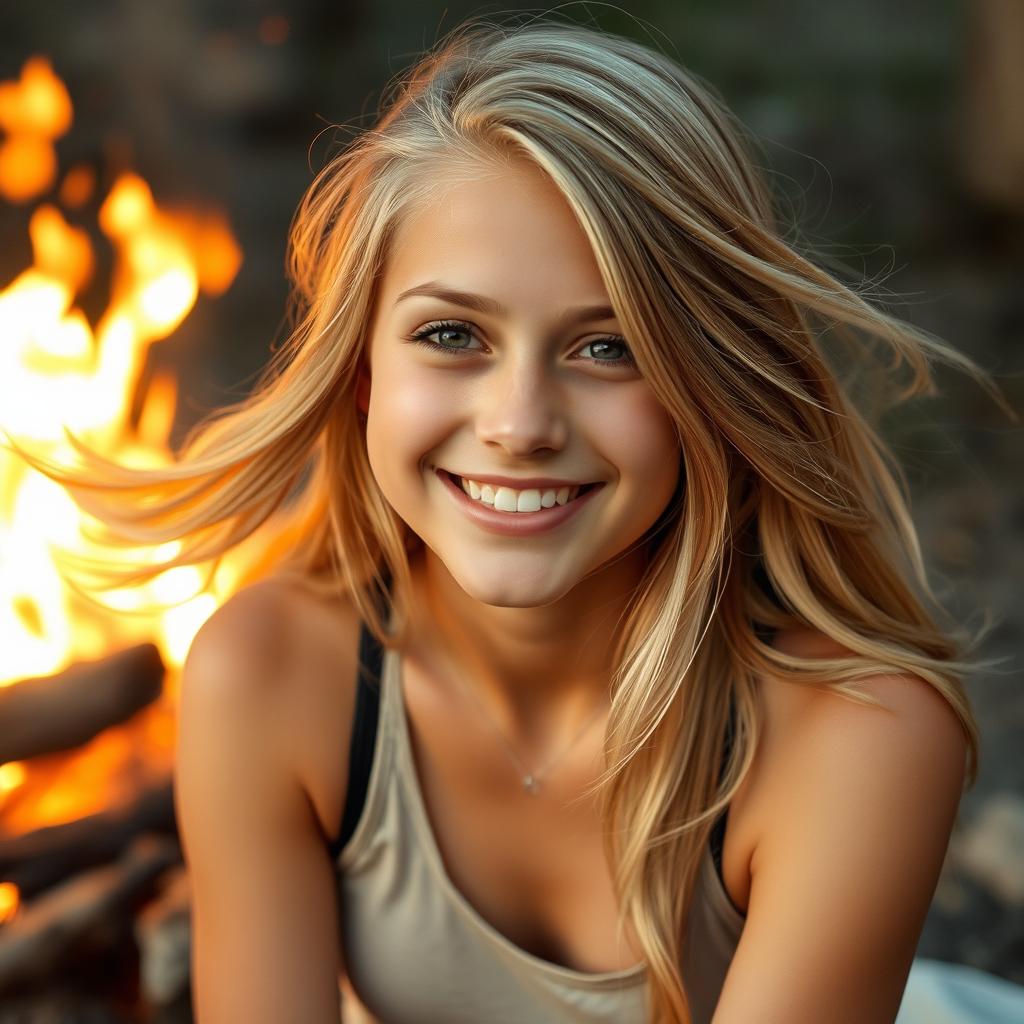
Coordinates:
(34, 111)
(8, 901)
(57, 371)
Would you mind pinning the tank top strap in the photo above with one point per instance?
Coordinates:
(371, 704)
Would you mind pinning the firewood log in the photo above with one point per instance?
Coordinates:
(47, 930)
(39, 859)
(47, 714)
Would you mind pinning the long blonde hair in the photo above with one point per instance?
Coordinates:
(790, 510)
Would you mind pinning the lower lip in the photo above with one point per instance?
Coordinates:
(515, 524)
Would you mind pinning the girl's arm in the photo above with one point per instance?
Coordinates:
(861, 803)
(265, 946)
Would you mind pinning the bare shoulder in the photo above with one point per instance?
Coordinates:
(912, 726)
(290, 653)
(855, 806)
(247, 817)
(273, 633)
(908, 707)
(247, 637)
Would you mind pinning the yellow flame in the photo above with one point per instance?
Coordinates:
(12, 775)
(59, 371)
(37, 104)
(8, 901)
(60, 250)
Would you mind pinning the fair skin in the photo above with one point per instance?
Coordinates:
(834, 840)
(527, 621)
(519, 615)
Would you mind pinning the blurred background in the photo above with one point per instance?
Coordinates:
(151, 157)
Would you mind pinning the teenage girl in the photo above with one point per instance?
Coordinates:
(593, 675)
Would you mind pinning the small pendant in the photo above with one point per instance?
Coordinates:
(530, 784)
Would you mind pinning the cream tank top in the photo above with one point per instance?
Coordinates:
(415, 949)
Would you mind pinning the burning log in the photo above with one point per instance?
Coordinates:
(84, 911)
(37, 860)
(61, 712)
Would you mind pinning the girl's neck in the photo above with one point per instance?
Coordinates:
(535, 670)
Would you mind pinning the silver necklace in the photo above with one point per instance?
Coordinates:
(529, 779)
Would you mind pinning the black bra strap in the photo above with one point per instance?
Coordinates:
(717, 840)
(364, 734)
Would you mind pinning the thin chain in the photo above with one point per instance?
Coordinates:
(530, 780)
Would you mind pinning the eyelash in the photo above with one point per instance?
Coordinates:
(420, 338)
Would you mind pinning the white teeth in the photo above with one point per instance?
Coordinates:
(505, 499)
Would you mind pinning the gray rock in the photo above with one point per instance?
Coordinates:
(991, 849)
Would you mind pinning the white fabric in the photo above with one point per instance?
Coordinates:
(945, 993)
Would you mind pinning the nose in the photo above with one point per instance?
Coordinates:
(520, 409)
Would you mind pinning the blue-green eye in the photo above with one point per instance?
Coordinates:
(442, 327)
(614, 341)
(422, 336)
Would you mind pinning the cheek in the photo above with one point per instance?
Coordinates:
(640, 438)
(409, 414)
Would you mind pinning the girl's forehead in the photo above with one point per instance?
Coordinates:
(511, 231)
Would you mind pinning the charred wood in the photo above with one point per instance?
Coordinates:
(47, 714)
(82, 911)
(36, 860)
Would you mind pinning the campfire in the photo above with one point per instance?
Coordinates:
(94, 904)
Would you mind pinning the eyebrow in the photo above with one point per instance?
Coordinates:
(485, 304)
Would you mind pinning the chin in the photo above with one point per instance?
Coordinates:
(531, 584)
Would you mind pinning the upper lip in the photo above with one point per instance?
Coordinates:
(519, 483)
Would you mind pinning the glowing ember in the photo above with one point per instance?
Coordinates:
(8, 900)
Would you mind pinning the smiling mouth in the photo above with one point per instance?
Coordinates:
(457, 480)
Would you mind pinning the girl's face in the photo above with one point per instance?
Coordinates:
(529, 377)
